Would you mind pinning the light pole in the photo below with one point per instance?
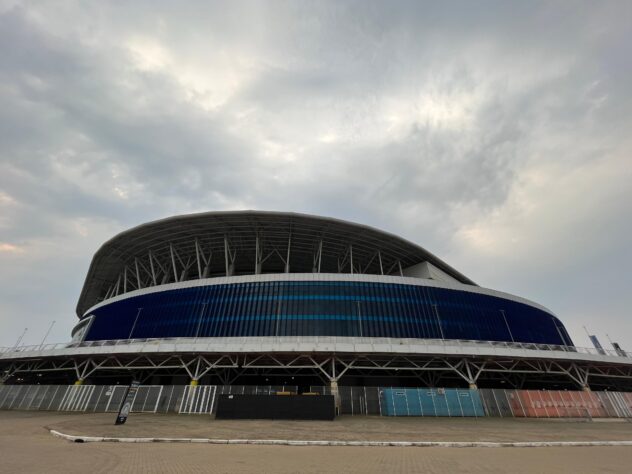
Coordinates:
(47, 333)
(135, 321)
(436, 310)
(502, 311)
(20, 338)
(559, 332)
(197, 330)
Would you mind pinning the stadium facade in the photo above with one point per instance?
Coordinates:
(264, 297)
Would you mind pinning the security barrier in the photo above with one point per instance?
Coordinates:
(387, 401)
(107, 398)
(355, 400)
(431, 402)
(280, 407)
(79, 398)
(556, 404)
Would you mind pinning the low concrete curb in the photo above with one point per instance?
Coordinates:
(290, 442)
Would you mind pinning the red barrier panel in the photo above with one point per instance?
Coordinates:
(556, 404)
(595, 407)
(533, 404)
(559, 404)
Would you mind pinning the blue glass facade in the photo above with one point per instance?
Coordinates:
(338, 308)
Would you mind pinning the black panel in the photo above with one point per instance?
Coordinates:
(276, 407)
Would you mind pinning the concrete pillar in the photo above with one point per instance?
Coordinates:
(334, 391)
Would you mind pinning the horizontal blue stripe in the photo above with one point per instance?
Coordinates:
(308, 317)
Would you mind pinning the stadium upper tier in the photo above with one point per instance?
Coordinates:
(261, 274)
(220, 244)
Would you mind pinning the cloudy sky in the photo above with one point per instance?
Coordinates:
(496, 135)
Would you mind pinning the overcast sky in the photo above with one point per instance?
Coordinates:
(496, 135)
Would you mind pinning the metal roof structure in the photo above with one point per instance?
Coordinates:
(329, 358)
(211, 244)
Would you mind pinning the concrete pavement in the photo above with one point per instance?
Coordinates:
(27, 447)
(345, 428)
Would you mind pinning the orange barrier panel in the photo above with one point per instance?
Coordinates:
(596, 408)
(570, 406)
(562, 404)
(539, 404)
(557, 403)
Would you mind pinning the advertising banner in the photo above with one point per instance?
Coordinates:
(126, 405)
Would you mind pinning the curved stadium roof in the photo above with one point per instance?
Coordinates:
(203, 245)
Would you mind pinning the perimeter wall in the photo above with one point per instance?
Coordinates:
(385, 401)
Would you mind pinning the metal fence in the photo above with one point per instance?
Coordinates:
(182, 399)
(355, 400)
(439, 402)
(185, 399)
(556, 404)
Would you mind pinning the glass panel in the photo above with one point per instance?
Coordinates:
(325, 308)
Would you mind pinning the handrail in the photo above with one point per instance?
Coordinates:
(308, 339)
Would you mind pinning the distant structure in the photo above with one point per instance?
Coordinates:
(254, 297)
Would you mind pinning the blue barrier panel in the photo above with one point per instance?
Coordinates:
(466, 402)
(441, 404)
(401, 402)
(453, 402)
(414, 405)
(471, 403)
(394, 402)
(431, 402)
(427, 402)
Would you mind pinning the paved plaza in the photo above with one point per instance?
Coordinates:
(27, 446)
(344, 428)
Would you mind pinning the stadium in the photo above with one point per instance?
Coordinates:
(271, 298)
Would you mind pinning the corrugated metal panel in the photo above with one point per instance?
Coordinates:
(448, 402)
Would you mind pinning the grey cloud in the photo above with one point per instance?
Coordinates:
(92, 144)
(96, 118)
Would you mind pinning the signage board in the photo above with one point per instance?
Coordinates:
(126, 404)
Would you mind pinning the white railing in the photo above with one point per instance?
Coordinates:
(315, 339)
